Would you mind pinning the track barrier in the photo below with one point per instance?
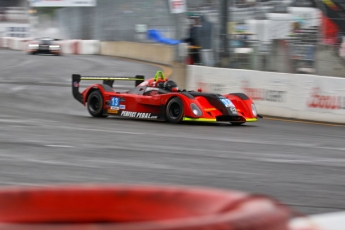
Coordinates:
(297, 96)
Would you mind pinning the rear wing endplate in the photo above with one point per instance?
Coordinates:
(76, 78)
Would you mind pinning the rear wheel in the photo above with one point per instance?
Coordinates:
(95, 104)
(174, 110)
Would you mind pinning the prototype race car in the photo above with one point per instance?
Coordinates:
(160, 99)
(44, 46)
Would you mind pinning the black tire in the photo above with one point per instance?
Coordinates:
(95, 104)
(174, 110)
(237, 123)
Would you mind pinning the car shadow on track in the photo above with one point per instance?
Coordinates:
(185, 123)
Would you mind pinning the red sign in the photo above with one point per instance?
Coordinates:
(318, 100)
(177, 4)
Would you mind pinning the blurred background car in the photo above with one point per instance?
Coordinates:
(44, 46)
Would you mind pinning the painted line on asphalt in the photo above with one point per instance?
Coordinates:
(304, 122)
(98, 130)
(60, 146)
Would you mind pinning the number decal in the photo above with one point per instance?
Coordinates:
(115, 103)
(227, 102)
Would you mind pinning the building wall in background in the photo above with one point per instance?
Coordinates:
(14, 19)
(116, 20)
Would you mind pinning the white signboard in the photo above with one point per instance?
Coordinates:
(177, 6)
(62, 3)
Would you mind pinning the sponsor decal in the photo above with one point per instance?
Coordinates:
(216, 87)
(113, 111)
(233, 110)
(122, 107)
(138, 115)
(114, 108)
(75, 84)
(123, 99)
(264, 94)
(210, 87)
(322, 101)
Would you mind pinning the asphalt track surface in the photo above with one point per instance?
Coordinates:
(47, 137)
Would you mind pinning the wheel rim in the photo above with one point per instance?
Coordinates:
(174, 110)
(94, 104)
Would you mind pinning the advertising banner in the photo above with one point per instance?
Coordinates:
(177, 6)
(309, 97)
(62, 3)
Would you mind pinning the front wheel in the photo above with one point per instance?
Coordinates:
(174, 110)
(95, 104)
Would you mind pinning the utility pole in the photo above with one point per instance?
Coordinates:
(224, 55)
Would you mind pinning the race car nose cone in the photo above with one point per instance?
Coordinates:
(129, 207)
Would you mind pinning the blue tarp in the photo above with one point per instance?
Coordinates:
(157, 36)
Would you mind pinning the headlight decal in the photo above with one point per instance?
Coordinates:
(54, 47)
(195, 109)
(254, 110)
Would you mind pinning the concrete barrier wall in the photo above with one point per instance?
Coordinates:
(68, 46)
(307, 97)
(4, 42)
(76, 46)
(156, 53)
(16, 44)
(325, 221)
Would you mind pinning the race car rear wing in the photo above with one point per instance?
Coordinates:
(109, 81)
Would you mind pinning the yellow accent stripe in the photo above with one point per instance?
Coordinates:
(200, 119)
(110, 78)
(210, 109)
(251, 119)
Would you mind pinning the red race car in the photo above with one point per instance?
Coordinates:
(160, 99)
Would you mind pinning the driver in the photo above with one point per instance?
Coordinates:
(157, 81)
